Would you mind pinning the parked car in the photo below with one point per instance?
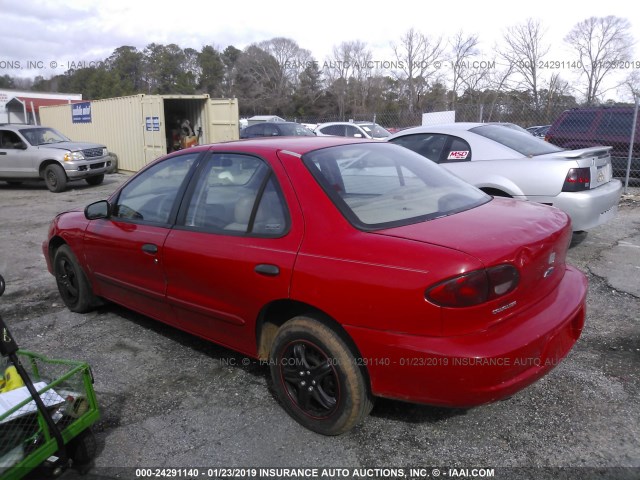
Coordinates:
(512, 126)
(368, 130)
(264, 118)
(505, 162)
(29, 152)
(275, 129)
(429, 291)
(589, 127)
(538, 130)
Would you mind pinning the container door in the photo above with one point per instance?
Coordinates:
(223, 120)
(153, 126)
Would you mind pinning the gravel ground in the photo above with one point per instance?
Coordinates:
(168, 399)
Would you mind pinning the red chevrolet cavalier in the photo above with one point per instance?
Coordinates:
(357, 269)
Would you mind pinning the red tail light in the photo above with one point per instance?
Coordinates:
(475, 287)
(578, 179)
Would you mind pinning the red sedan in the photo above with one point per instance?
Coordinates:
(356, 269)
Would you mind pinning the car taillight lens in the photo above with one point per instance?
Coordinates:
(578, 179)
(474, 288)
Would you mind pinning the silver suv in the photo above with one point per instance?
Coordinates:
(29, 152)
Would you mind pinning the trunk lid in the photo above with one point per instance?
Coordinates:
(597, 159)
(532, 237)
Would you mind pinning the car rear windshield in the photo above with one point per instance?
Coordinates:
(383, 185)
(523, 143)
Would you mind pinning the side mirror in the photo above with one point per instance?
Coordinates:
(96, 210)
(21, 146)
(358, 135)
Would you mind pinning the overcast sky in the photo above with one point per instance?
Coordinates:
(51, 34)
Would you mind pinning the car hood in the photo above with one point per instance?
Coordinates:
(71, 146)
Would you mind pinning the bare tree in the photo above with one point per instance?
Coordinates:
(419, 60)
(463, 49)
(601, 43)
(495, 83)
(525, 50)
(346, 71)
(632, 84)
(292, 59)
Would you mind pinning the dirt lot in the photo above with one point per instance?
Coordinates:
(171, 400)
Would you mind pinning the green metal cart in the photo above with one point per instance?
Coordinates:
(47, 407)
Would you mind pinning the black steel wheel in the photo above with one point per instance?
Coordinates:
(72, 283)
(316, 377)
(55, 178)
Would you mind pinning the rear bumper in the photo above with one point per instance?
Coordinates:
(478, 368)
(590, 208)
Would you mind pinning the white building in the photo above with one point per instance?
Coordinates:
(18, 106)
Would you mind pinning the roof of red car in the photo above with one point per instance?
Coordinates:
(299, 145)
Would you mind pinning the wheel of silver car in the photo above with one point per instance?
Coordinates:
(96, 180)
(72, 283)
(316, 377)
(55, 178)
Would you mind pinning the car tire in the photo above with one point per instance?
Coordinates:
(316, 377)
(73, 285)
(97, 180)
(55, 178)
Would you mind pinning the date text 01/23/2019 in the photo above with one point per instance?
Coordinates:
(313, 472)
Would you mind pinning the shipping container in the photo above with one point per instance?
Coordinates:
(141, 128)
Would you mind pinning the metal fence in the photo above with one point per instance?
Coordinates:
(615, 126)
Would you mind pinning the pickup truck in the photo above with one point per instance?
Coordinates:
(31, 152)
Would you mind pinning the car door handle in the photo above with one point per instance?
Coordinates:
(150, 248)
(267, 269)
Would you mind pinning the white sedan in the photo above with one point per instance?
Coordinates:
(508, 163)
(368, 130)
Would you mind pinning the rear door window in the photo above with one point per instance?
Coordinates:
(237, 194)
(577, 122)
(333, 130)
(616, 124)
(437, 147)
(457, 151)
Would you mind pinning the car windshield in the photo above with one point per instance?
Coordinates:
(298, 130)
(523, 143)
(383, 185)
(42, 136)
(375, 130)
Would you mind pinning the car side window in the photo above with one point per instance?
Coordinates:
(429, 145)
(10, 140)
(333, 130)
(270, 130)
(150, 197)
(237, 194)
(352, 131)
(255, 130)
(577, 122)
(616, 123)
(458, 151)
